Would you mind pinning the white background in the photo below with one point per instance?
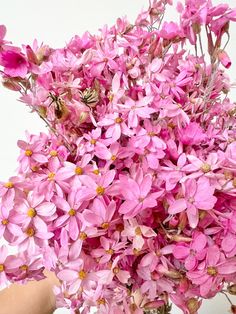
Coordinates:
(54, 22)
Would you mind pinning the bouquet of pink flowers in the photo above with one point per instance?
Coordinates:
(130, 196)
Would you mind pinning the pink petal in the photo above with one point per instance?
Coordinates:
(181, 252)
(190, 262)
(177, 206)
(67, 274)
(73, 228)
(213, 255)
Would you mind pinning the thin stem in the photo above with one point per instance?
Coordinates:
(227, 297)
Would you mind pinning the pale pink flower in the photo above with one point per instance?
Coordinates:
(96, 188)
(106, 276)
(100, 214)
(77, 275)
(138, 197)
(191, 254)
(137, 109)
(72, 208)
(30, 154)
(137, 233)
(209, 275)
(107, 249)
(170, 30)
(8, 265)
(198, 195)
(8, 227)
(34, 210)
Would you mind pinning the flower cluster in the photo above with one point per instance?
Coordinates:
(130, 196)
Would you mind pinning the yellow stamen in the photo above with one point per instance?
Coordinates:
(138, 231)
(30, 232)
(78, 170)
(118, 120)
(8, 185)
(82, 274)
(113, 157)
(151, 134)
(212, 271)
(83, 236)
(2, 267)
(105, 225)
(31, 212)
(100, 190)
(93, 141)
(205, 168)
(23, 267)
(5, 222)
(28, 152)
(136, 251)
(53, 153)
(96, 171)
(101, 301)
(228, 175)
(51, 176)
(34, 168)
(116, 270)
(72, 212)
(110, 251)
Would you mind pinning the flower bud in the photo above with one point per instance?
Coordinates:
(224, 58)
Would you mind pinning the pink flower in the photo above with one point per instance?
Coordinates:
(192, 254)
(8, 227)
(31, 154)
(170, 30)
(137, 109)
(106, 276)
(138, 196)
(96, 188)
(192, 134)
(8, 265)
(76, 274)
(198, 195)
(210, 274)
(100, 214)
(34, 210)
(15, 63)
(107, 250)
(137, 233)
(71, 218)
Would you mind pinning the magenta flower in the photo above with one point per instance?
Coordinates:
(192, 134)
(14, 63)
